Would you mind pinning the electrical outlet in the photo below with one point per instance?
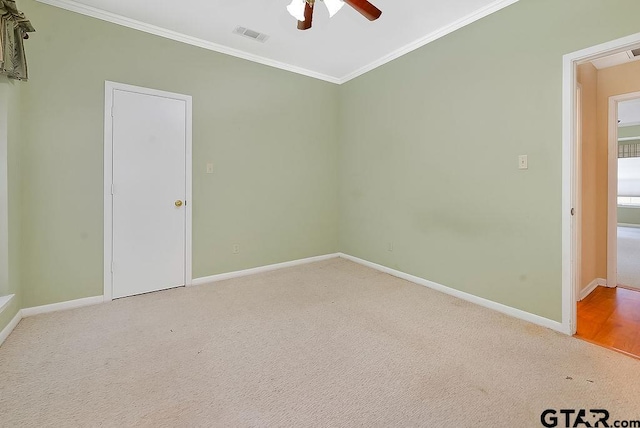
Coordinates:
(390, 246)
(236, 249)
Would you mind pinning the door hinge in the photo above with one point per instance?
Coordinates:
(573, 211)
(111, 110)
(112, 191)
(111, 267)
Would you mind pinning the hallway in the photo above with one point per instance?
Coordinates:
(610, 317)
(628, 256)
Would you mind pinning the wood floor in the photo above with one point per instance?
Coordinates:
(611, 317)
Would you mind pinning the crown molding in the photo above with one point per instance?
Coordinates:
(93, 12)
(435, 35)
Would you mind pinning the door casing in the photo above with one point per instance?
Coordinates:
(570, 174)
(110, 87)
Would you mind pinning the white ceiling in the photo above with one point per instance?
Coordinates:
(336, 49)
(629, 113)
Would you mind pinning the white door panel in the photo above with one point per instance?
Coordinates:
(149, 176)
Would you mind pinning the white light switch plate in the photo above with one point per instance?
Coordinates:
(209, 168)
(523, 162)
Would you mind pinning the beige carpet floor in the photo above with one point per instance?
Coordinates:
(325, 344)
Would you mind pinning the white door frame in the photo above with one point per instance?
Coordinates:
(4, 187)
(570, 266)
(612, 192)
(109, 87)
(578, 194)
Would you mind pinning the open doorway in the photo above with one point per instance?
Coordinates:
(608, 198)
(575, 285)
(628, 194)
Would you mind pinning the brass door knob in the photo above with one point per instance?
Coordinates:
(178, 203)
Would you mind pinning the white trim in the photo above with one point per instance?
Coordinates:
(629, 139)
(62, 306)
(612, 187)
(189, 193)
(626, 125)
(4, 301)
(261, 269)
(499, 307)
(205, 44)
(433, 36)
(9, 327)
(598, 282)
(629, 224)
(180, 37)
(569, 269)
(108, 197)
(577, 242)
(569, 81)
(4, 184)
(612, 193)
(109, 87)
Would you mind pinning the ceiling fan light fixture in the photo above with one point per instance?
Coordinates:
(296, 9)
(302, 10)
(333, 6)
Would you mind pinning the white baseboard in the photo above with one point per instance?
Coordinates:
(28, 312)
(508, 310)
(9, 327)
(260, 269)
(88, 301)
(592, 286)
(517, 313)
(4, 301)
(628, 225)
(62, 306)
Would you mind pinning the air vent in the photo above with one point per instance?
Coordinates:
(635, 52)
(246, 32)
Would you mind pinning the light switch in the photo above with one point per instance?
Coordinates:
(523, 162)
(209, 168)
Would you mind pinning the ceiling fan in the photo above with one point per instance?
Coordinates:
(302, 10)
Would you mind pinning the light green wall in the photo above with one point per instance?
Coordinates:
(10, 91)
(629, 215)
(629, 131)
(395, 142)
(430, 144)
(271, 135)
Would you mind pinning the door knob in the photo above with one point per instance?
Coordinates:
(178, 203)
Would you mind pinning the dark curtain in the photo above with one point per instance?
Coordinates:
(14, 27)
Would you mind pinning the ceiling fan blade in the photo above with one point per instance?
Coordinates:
(367, 10)
(308, 17)
(296, 9)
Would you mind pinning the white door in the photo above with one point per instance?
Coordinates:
(149, 192)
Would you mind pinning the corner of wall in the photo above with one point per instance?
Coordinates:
(10, 91)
